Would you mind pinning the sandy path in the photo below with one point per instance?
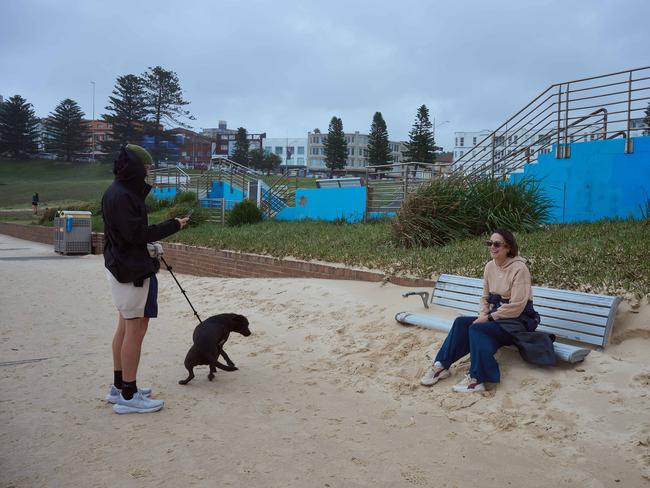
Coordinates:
(326, 394)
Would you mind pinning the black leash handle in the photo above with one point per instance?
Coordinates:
(169, 268)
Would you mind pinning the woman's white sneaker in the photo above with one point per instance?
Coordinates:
(138, 404)
(433, 374)
(469, 385)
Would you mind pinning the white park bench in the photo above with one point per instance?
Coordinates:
(581, 317)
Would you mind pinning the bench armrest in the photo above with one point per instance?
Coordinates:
(424, 295)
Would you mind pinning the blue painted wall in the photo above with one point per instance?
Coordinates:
(598, 181)
(162, 193)
(327, 204)
(223, 189)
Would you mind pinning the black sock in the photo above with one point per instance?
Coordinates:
(117, 379)
(129, 389)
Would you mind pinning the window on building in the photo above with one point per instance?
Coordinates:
(462, 142)
(267, 149)
(224, 147)
(278, 150)
(301, 150)
(474, 141)
(456, 142)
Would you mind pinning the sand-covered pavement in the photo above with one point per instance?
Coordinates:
(327, 393)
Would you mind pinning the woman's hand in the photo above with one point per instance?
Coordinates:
(183, 221)
(481, 319)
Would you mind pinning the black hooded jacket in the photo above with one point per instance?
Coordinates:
(126, 228)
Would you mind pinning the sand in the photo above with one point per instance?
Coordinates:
(327, 393)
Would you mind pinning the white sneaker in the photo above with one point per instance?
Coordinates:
(114, 393)
(469, 385)
(138, 404)
(433, 374)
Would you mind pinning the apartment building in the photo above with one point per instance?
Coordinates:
(292, 150)
(357, 150)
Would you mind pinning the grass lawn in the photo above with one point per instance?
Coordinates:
(605, 257)
(56, 182)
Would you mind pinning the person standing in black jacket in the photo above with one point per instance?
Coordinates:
(131, 273)
(35, 203)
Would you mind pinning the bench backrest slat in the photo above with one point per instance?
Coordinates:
(471, 302)
(574, 336)
(583, 317)
(551, 302)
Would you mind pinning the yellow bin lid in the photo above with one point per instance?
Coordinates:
(75, 214)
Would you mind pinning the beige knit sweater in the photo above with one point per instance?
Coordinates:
(510, 280)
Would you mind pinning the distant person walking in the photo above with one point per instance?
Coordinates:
(131, 273)
(35, 203)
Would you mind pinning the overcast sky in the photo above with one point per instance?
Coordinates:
(285, 67)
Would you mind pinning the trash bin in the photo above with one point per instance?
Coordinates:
(72, 232)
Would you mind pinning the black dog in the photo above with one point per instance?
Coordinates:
(209, 338)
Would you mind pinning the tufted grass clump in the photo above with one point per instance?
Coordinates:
(456, 208)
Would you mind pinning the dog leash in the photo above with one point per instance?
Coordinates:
(169, 268)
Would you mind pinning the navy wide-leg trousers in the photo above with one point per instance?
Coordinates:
(481, 341)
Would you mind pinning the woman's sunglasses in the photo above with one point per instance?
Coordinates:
(495, 244)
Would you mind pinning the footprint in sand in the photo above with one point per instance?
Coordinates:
(545, 393)
(642, 379)
(414, 475)
(452, 402)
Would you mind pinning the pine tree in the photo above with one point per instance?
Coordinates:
(378, 147)
(165, 104)
(335, 146)
(18, 122)
(271, 162)
(256, 159)
(646, 121)
(67, 132)
(420, 147)
(242, 145)
(127, 112)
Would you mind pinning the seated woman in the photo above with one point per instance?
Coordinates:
(506, 317)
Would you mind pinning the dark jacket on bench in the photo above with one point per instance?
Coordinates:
(535, 347)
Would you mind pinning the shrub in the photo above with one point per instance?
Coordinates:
(186, 197)
(244, 212)
(152, 203)
(48, 215)
(93, 207)
(199, 216)
(165, 203)
(454, 208)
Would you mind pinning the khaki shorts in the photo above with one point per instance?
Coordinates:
(135, 302)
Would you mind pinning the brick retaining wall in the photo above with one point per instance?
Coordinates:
(36, 233)
(204, 261)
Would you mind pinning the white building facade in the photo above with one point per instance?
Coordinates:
(292, 150)
(524, 142)
(466, 141)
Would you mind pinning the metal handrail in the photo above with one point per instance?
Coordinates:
(554, 119)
